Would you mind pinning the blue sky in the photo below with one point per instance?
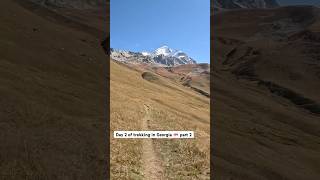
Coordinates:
(144, 25)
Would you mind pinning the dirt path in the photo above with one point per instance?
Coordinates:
(152, 164)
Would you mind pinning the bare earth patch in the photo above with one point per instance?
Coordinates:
(152, 164)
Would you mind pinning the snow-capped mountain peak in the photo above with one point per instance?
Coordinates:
(163, 56)
(180, 54)
(163, 50)
(145, 53)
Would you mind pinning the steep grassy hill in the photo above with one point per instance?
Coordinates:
(266, 101)
(52, 110)
(146, 101)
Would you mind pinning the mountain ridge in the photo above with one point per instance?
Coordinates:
(162, 56)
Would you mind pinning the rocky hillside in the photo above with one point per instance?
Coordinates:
(89, 15)
(243, 4)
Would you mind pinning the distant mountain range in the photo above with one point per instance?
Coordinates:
(243, 4)
(163, 56)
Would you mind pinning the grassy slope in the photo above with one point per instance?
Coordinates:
(257, 130)
(52, 99)
(260, 135)
(173, 107)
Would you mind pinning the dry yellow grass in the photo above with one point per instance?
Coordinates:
(52, 106)
(172, 107)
